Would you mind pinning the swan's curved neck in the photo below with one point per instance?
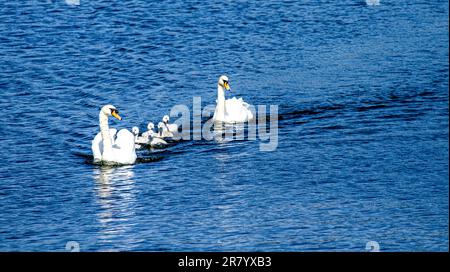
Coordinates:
(220, 102)
(104, 130)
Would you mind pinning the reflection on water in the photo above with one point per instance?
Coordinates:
(116, 194)
(232, 199)
(224, 132)
(362, 153)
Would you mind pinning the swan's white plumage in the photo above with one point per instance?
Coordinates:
(156, 138)
(139, 140)
(124, 142)
(236, 110)
(169, 127)
(97, 144)
(157, 142)
(106, 148)
(231, 110)
(163, 132)
(149, 133)
(152, 138)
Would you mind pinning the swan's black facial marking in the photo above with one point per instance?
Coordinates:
(115, 114)
(224, 83)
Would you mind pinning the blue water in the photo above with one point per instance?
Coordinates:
(363, 147)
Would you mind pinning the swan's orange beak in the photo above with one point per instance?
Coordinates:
(116, 115)
(227, 86)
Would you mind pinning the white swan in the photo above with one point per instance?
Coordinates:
(139, 140)
(149, 133)
(157, 142)
(97, 143)
(169, 127)
(163, 132)
(108, 149)
(231, 110)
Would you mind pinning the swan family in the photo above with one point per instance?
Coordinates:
(112, 147)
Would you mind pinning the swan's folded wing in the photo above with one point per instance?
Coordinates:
(236, 103)
(125, 140)
(237, 110)
(141, 140)
(173, 127)
(124, 148)
(158, 142)
(231, 104)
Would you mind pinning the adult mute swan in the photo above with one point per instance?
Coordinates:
(108, 148)
(231, 110)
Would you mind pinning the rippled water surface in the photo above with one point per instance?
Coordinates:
(362, 95)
